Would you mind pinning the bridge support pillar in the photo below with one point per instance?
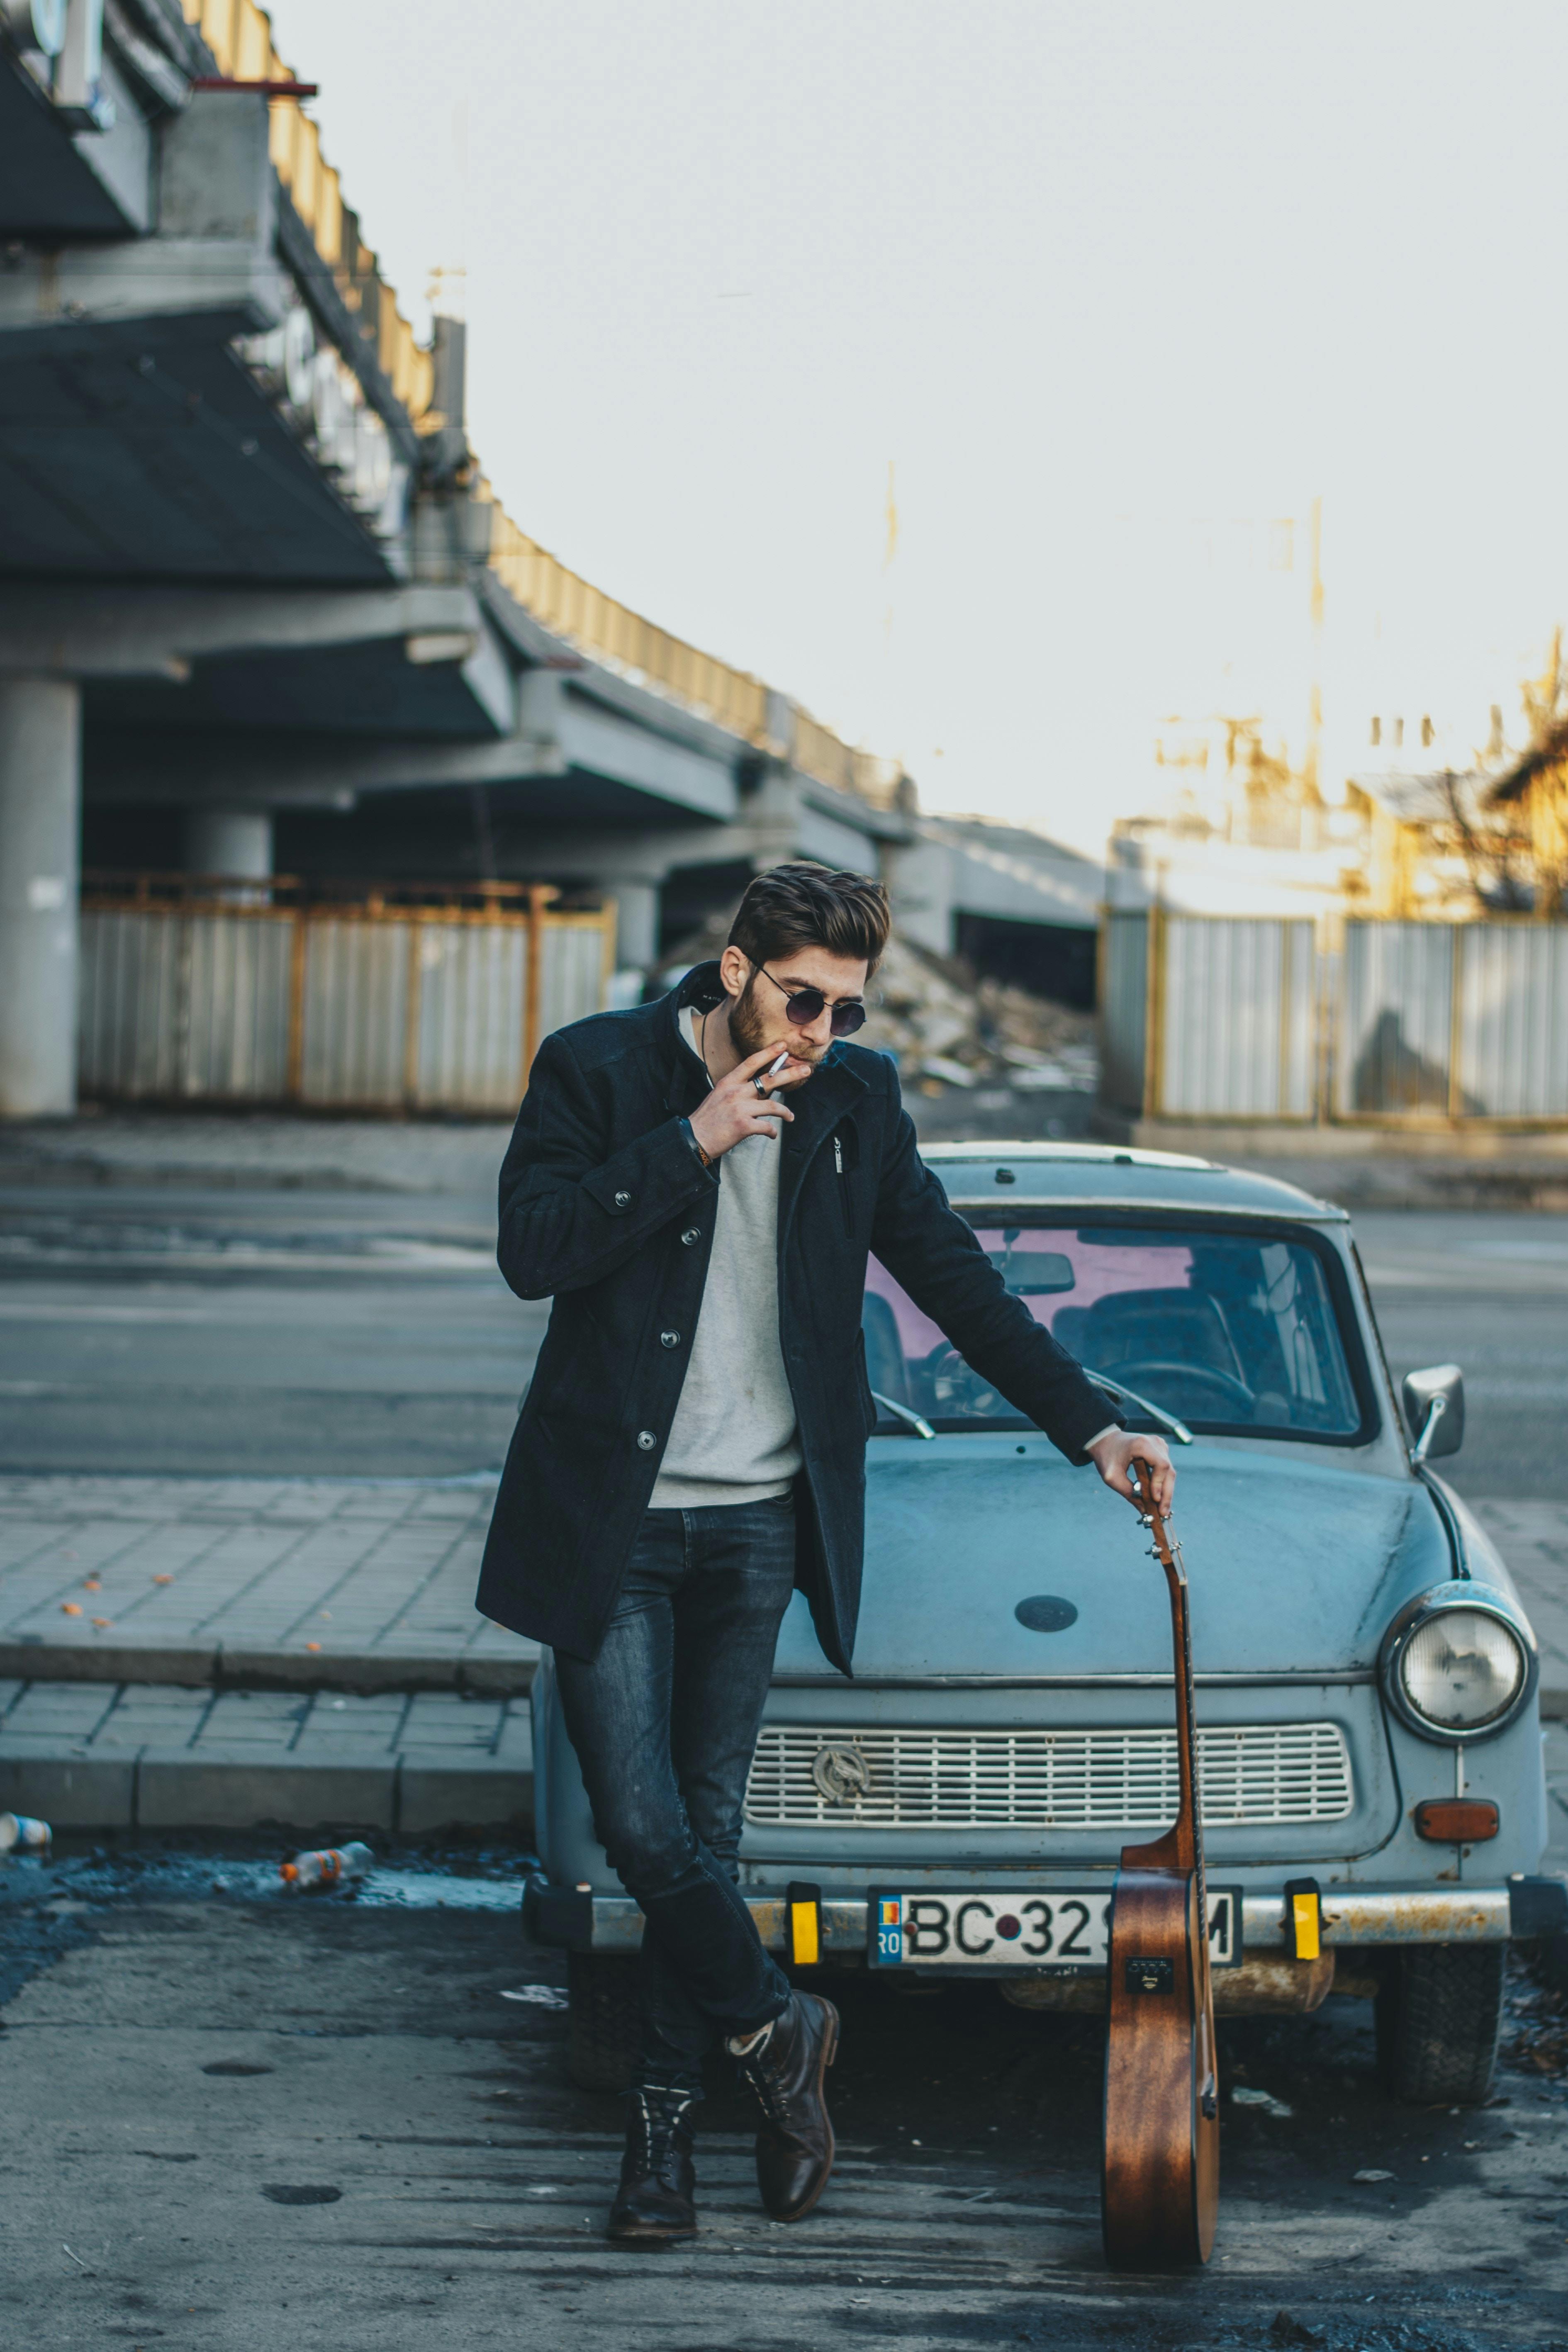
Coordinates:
(41, 853)
(636, 919)
(230, 841)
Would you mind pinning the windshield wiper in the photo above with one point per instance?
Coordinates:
(1178, 1429)
(902, 1412)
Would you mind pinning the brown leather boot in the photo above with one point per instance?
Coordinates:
(795, 2145)
(654, 2205)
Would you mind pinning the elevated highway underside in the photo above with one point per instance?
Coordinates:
(143, 448)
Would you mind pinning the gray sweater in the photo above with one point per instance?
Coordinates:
(733, 1438)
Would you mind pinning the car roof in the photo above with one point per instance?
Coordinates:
(1114, 1175)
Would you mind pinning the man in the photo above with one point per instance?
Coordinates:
(692, 1449)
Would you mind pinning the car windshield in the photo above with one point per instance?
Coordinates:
(1232, 1332)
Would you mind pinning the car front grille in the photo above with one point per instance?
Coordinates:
(805, 1775)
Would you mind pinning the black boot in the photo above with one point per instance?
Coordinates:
(795, 2145)
(654, 2203)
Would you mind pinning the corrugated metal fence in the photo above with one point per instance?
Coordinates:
(247, 992)
(1252, 1056)
(1225, 1017)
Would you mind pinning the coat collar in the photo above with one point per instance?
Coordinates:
(818, 1106)
(688, 1080)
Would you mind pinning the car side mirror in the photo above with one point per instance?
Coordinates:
(1434, 1404)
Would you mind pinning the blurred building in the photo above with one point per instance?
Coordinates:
(1406, 838)
(1388, 972)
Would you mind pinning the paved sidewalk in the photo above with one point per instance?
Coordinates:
(225, 1653)
(306, 1583)
(1533, 1538)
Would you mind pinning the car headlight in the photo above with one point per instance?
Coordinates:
(1455, 1667)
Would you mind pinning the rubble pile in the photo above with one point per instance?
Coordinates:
(949, 1029)
(944, 1027)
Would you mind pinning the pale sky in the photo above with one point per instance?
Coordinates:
(1082, 276)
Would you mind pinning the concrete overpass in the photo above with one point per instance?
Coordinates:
(1017, 905)
(259, 609)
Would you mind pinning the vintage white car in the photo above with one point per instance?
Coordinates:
(1372, 1783)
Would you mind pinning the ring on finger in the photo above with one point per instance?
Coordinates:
(759, 1087)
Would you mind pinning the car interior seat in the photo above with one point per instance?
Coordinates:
(1127, 1327)
(1070, 1327)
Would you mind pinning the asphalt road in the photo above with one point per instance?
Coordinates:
(237, 2121)
(1489, 1291)
(274, 1333)
(368, 1335)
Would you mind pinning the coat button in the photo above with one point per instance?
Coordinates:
(669, 1338)
(622, 1200)
(647, 1440)
(692, 1233)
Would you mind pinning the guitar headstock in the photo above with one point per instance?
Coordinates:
(1164, 1549)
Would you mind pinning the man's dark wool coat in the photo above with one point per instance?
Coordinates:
(605, 1208)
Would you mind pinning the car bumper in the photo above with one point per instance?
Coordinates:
(578, 1921)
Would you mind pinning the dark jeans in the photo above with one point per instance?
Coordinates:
(664, 1720)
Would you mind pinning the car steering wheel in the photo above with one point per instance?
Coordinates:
(1140, 1373)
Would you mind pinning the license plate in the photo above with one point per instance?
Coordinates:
(1068, 1929)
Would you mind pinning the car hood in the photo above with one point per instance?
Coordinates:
(1294, 1565)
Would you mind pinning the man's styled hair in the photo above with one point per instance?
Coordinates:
(806, 905)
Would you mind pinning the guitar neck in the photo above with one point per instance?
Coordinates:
(1188, 1831)
(1181, 1848)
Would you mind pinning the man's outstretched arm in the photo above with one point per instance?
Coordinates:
(933, 1254)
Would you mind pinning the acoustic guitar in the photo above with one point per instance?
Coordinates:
(1159, 2186)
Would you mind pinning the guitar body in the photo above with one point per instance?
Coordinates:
(1159, 2185)
(1159, 2195)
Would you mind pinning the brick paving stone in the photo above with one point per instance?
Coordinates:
(68, 1710)
(437, 1721)
(445, 1505)
(366, 1723)
(256, 1718)
(153, 1715)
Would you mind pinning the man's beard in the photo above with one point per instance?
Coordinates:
(749, 1027)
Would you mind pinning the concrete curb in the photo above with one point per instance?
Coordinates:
(217, 1668)
(232, 1789)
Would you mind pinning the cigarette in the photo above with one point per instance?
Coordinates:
(774, 1068)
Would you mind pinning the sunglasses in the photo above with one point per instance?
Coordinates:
(806, 1005)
